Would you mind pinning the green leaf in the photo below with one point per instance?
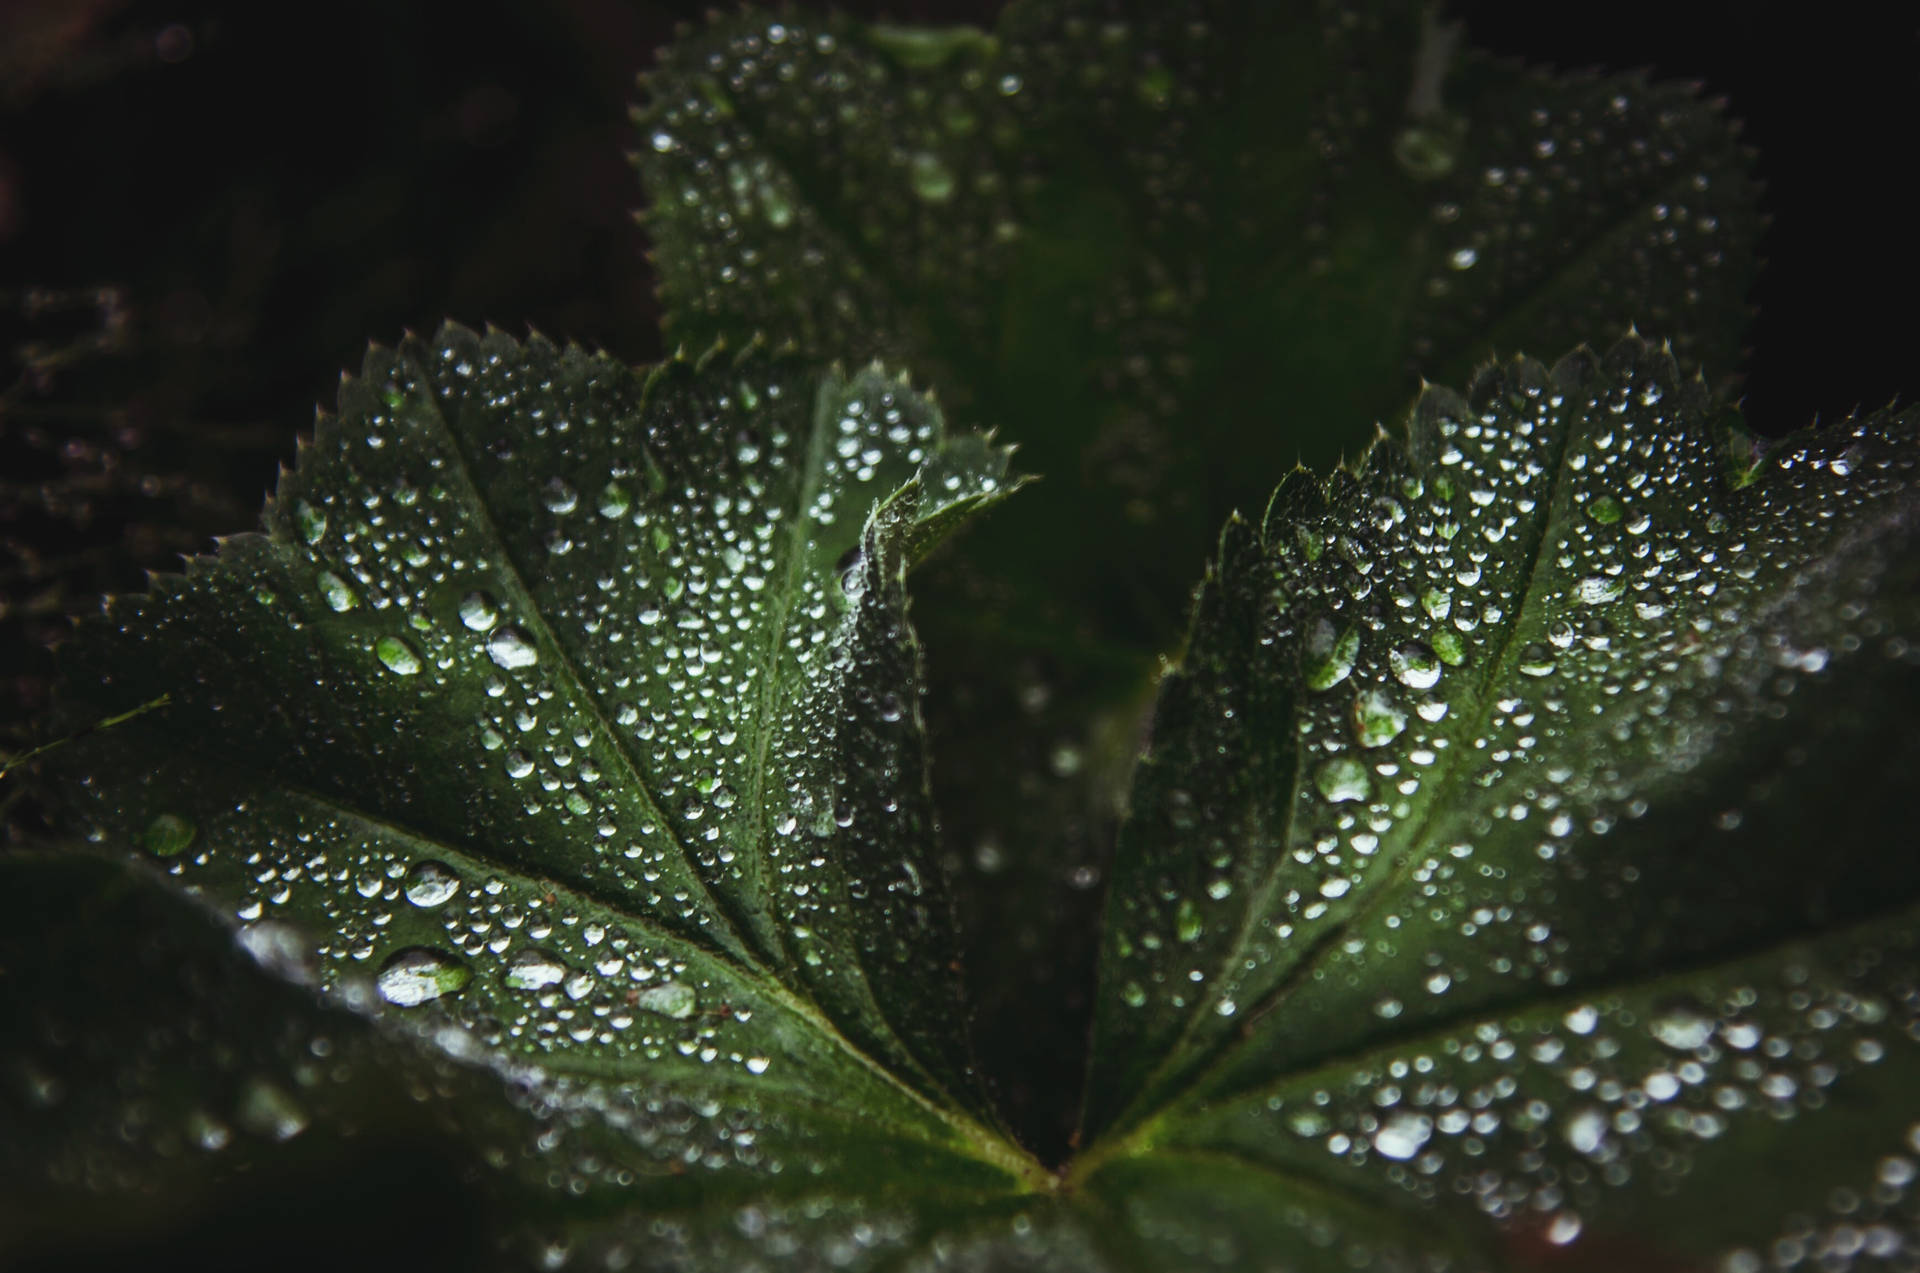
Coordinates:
(573, 711)
(1479, 867)
(1546, 978)
(1170, 249)
(208, 1095)
(1144, 237)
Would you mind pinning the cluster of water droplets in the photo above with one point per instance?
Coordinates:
(1439, 725)
(545, 771)
(1580, 1117)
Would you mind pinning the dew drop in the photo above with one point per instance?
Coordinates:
(415, 975)
(168, 835)
(1342, 779)
(614, 500)
(311, 521)
(397, 655)
(931, 179)
(478, 612)
(1187, 925)
(668, 999)
(535, 970)
(267, 1111)
(1377, 719)
(339, 594)
(1598, 590)
(511, 648)
(561, 498)
(1682, 1026)
(1536, 659)
(431, 884)
(1330, 655)
(1403, 1134)
(1415, 665)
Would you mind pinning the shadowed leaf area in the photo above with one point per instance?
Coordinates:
(1169, 250)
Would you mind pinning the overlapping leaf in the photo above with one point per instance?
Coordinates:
(576, 710)
(1524, 834)
(1171, 249)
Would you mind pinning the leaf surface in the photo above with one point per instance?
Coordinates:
(1170, 249)
(1518, 834)
(574, 710)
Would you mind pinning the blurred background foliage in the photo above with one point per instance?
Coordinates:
(207, 209)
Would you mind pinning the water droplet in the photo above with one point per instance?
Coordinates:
(1429, 149)
(1377, 719)
(668, 999)
(1586, 1131)
(932, 180)
(1330, 654)
(267, 1111)
(1536, 659)
(1599, 589)
(478, 612)
(397, 655)
(1403, 1134)
(431, 884)
(1682, 1026)
(1605, 510)
(614, 500)
(1343, 778)
(774, 202)
(340, 596)
(1187, 925)
(511, 648)
(1156, 88)
(1415, 665)
(168, 835)
(415, 975)
(311, 521)
(535, 970)
(1463, 258)
(561, 498)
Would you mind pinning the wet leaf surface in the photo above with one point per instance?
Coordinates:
(1477, 907)
(1169, 250)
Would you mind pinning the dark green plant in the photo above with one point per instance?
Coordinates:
(1503, 850)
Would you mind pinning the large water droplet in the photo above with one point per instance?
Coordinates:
(1377, 719)
(1343, 778)
(478, 612)
(267, 1111)
(1330, 654)
(417, 974)
(1415, 665)
(397, 655)
(1403, 1134)
(931, 179)
(431, 884)
(668, 999)
(310, 520)
(511, 648)
(167, 835)
(1683, 1026)
(535, 970)
(339, 594)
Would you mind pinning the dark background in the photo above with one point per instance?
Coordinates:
(207, 209)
